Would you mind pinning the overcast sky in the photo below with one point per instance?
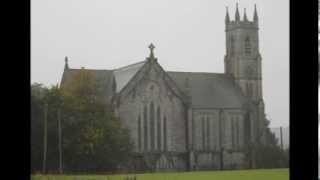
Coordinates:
(188, 35)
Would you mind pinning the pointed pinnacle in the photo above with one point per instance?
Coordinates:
(245, 15)
(227, 19)
(237, 16)
(255, 16)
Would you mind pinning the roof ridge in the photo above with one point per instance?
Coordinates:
(196, 72)
(127, 66)
(91, 69)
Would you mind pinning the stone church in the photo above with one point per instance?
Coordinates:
(191, 120)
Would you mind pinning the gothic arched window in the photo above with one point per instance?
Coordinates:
(158, 128)
(152, 126)
(133, 95)
(249, 89)
(139, 133)
(232, 45)
(208, 133)
(165, 133)
(203, 133)
(145, 127)
(232, 132)
(237, 133)
(249, 72)
(247, 46)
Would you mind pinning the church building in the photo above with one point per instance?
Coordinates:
(191, 120)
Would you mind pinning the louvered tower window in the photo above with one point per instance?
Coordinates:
(247, 46)
(232, 46)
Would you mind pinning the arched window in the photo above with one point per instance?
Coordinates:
(208, 133)
(249, 72)
(152, 126)
(133, 94)
(247, 46)
(203, 133)
(165, 133)
(247, 128)
(249, 89)
(237, 133)
(232, 132)
(158, 128)
(232, 45)
(139, 133)
(145, 127)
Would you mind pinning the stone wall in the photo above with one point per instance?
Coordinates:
(207, 135)
(152, 92)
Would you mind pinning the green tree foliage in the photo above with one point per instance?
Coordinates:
(93, 139)
(36, 127)
(270, 155)
(39, 97)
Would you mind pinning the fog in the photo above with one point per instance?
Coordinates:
(188, 35)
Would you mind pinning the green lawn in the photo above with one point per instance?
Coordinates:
(270, 174)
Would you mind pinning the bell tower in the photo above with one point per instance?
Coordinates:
(243, 64)
(242, 59)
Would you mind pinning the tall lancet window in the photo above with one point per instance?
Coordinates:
(232, 45)
(152, 126)
(249, 89)
(208, 133)
(165, 133)
(203, 133)
(232, 132)
(237, 133)
(139, 134)
(247, 46)
(145, 128)
(158, 128)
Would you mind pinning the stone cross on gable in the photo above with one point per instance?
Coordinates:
(151, 47)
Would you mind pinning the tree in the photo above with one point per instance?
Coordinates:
(36, 127)
(270, 155)
(93, 138)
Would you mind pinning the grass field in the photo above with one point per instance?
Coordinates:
(268, 174)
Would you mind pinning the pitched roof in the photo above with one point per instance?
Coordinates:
(103, 78)
(209, 90)
(124, 74)
(206, 90)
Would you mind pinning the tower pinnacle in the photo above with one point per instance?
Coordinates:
(245, 16)
(237, 16)
(255, 15)
(227, 19)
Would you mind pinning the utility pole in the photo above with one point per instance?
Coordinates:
(281, 140)
(60, 146)
(45, 139)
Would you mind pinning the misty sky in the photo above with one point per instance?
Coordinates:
(188, 35)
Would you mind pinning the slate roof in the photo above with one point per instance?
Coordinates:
(124, 74)
(103, 78)
(209, 90)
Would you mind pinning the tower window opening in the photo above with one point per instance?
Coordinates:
(247, 46)
(249, 89)
(232, 46)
